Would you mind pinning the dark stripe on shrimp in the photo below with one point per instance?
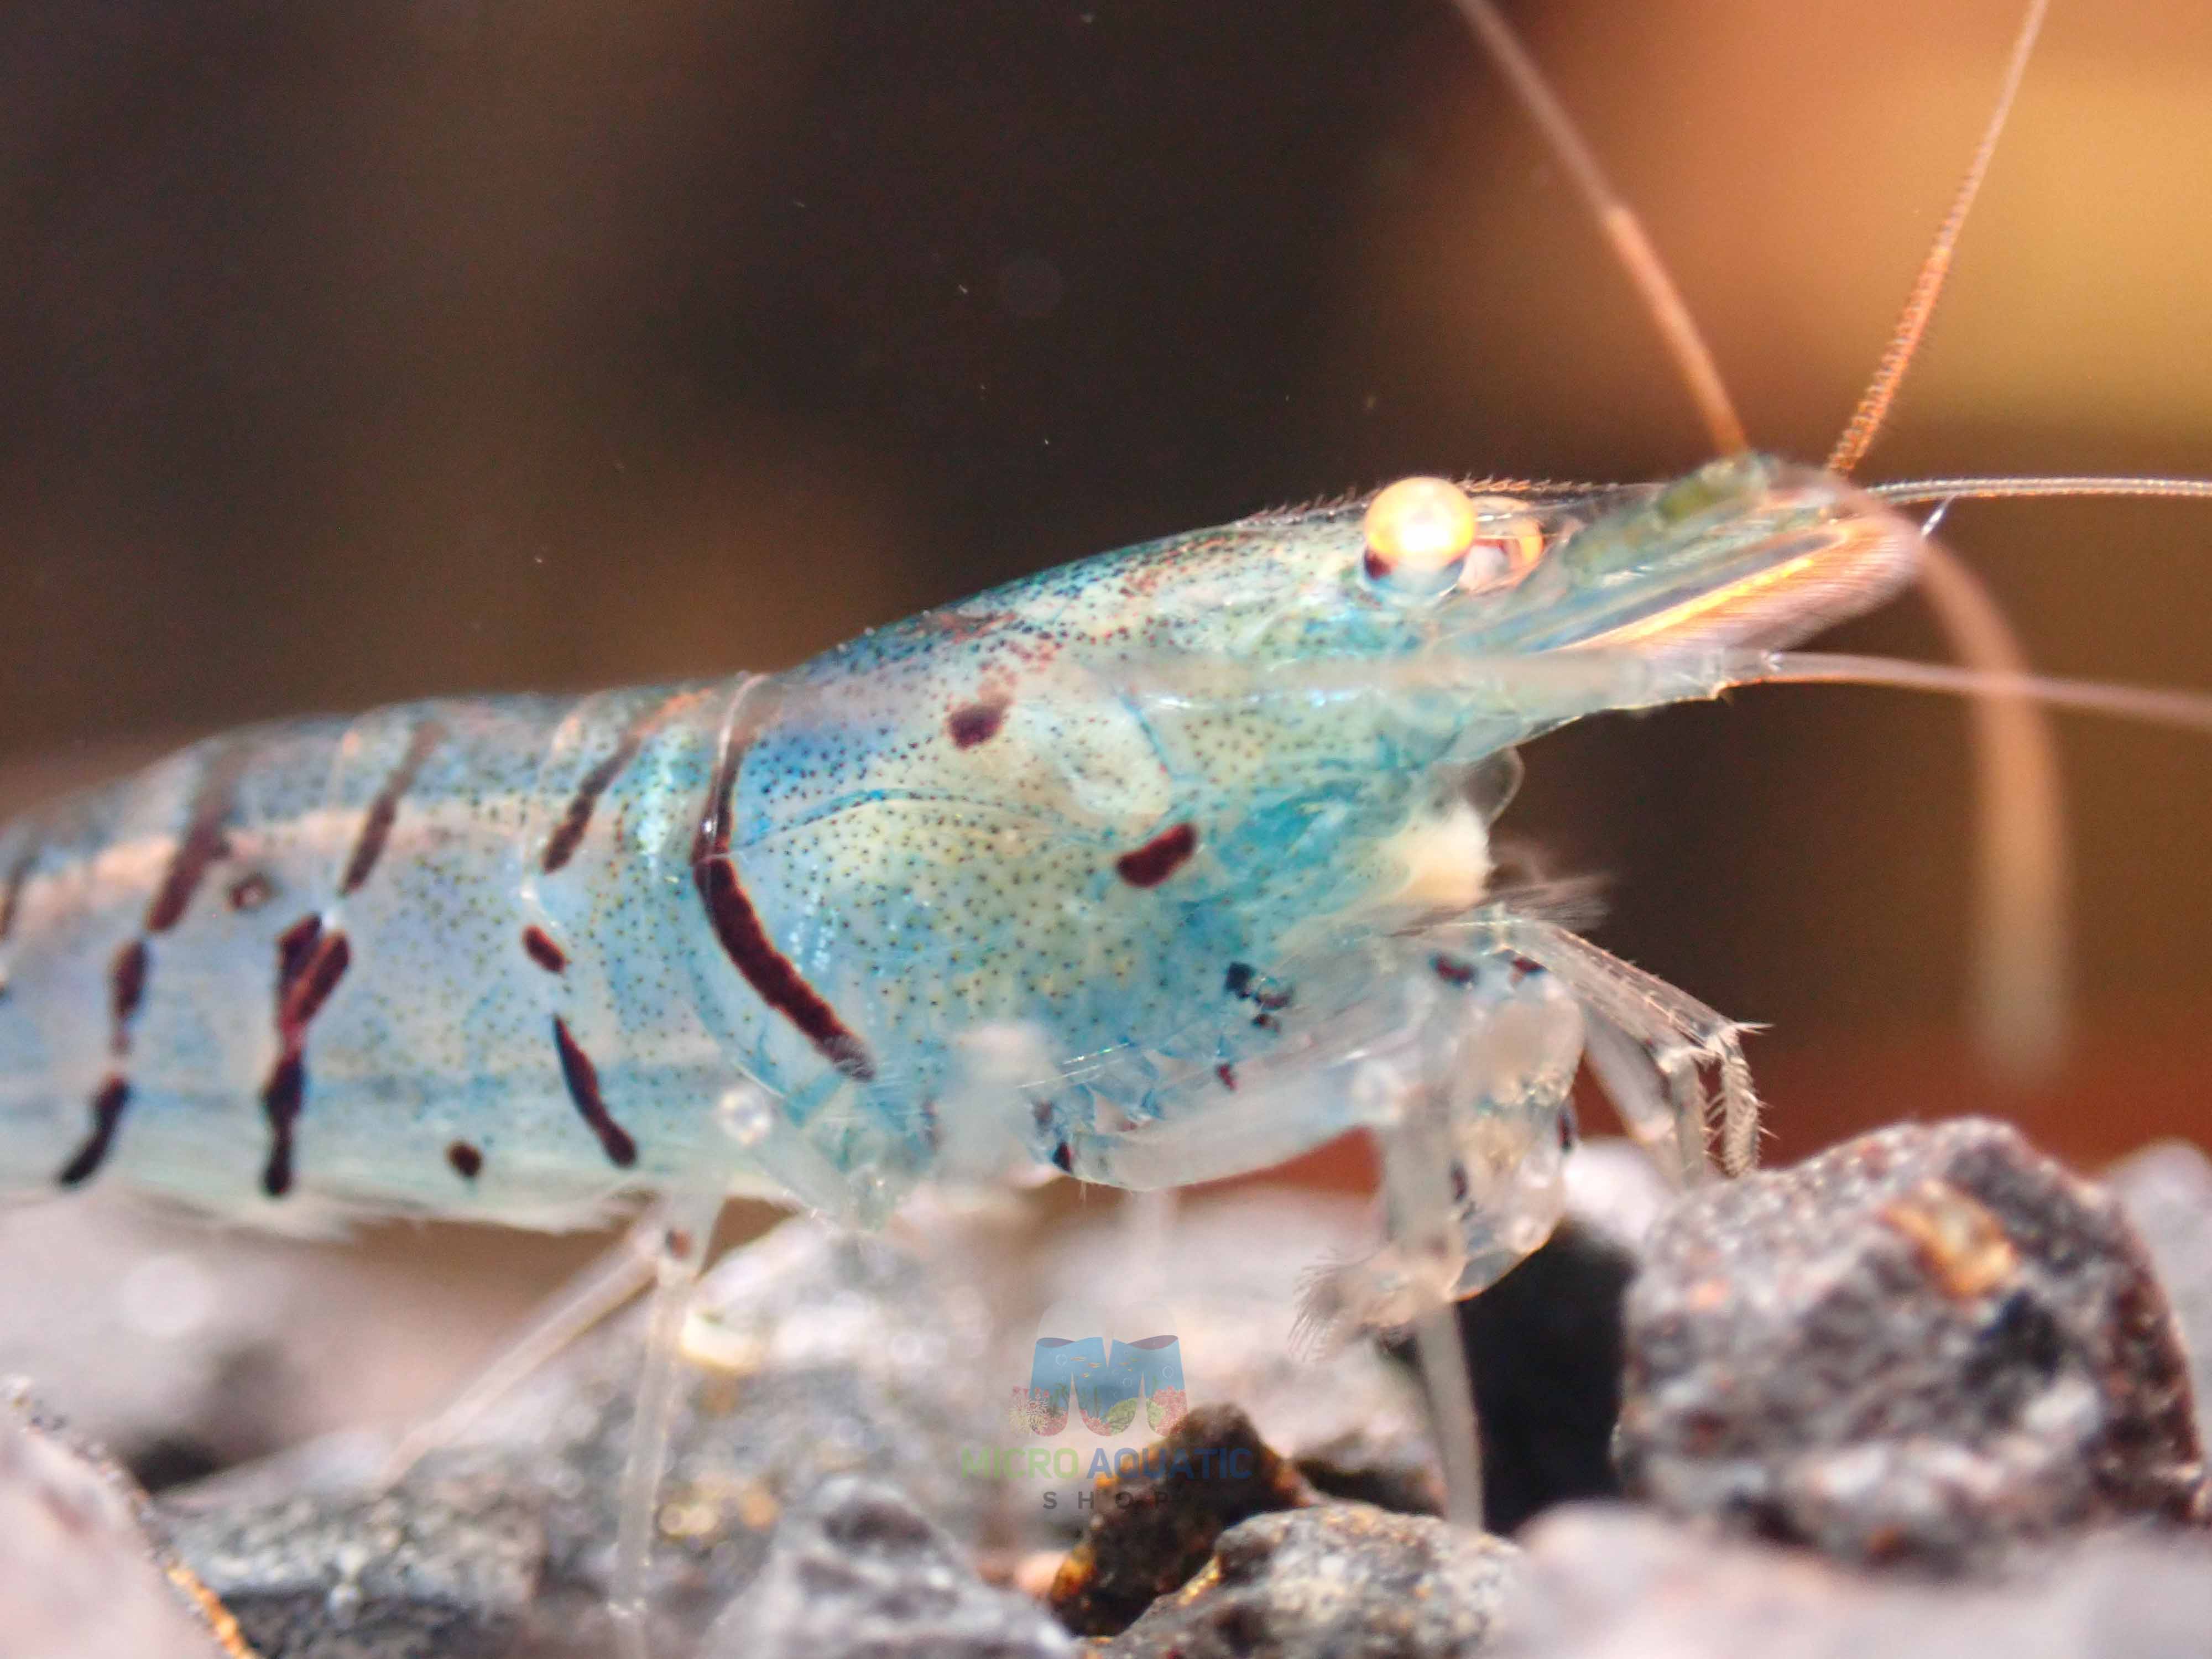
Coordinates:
(11, 890)
(376, 828)
(280, 1099)
(569, 835)
(583, 1080)
(301, 998)
(1158, 857)
(538, 945)
(309, 965)
(107, 1112)
(203, 841)
(126, 988)
(738, 927)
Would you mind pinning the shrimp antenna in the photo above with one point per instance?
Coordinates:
(2020, 927)
(1874, 404)
(1617, 220)
(2021, 923)
(1999, 489)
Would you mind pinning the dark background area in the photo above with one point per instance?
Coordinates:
(359, 352)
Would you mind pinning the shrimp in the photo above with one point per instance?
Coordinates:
(1160, 866)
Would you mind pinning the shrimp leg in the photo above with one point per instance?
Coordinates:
(610, 1280)
(1679, 1035)
(688, 1228)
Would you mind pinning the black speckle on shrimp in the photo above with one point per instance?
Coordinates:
(467, 1161)
(1248, 984)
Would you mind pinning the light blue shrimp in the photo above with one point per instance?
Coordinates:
(1164, 865)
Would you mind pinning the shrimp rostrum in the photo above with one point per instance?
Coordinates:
(1164, 865)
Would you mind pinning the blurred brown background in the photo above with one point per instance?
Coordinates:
(358, 352)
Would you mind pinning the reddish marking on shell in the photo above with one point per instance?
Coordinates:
(301, 998)
(309, 965)
(203, 842)
(250, 892)
(1375, 564)
(976, 722)
(126, 988)
(280, 1101)
(467, 1161)
(542, 950)
(1227, 1073)
(583, 1080)
(294, 946)
(560, 846)
(1063, 1158)
(383, 810)
(1158, 857)
(737, 928)
(106, 1113)
(1451, 969)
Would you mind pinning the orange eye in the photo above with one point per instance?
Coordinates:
(1418, 531)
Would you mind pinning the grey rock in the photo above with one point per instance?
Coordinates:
(1343, 1581)
(1927, 1344)
(435, 1570)
(2167, 1190)
(1606, 1580)
(84, 1571)
(859, 1573)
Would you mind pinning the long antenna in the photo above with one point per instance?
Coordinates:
(1619, 222)
(2004, 489)
(2022, 926)
(1928, 288)
(2022, 888)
